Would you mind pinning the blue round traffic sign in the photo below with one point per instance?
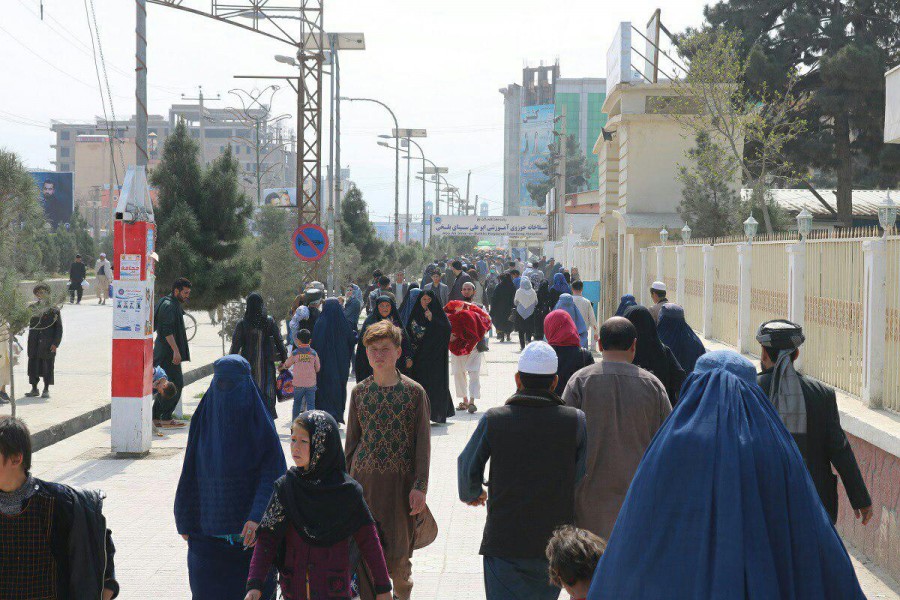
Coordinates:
(310, 242)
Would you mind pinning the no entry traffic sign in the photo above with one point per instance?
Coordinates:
(310, 242)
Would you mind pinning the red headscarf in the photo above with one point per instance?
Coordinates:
(560, 330)
(468, 323)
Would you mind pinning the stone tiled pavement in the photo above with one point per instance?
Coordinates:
(83, 365)
(150, 556)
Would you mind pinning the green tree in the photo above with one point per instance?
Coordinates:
(839, 51)
(202, 219)
(712, 100)
(578, 171)
(709, 203)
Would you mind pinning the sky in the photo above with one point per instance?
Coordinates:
(438, 65)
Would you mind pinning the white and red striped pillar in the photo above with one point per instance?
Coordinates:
(133, 303)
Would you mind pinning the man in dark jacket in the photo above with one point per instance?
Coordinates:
(808, 409)
(171, 347)
(77, 275)
(44, 336)
(54, 543)
(459, 277)
(531, 492)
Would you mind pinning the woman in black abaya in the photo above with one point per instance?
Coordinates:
(385, 308)
(502, 306)
(428, 331)
(652, 355)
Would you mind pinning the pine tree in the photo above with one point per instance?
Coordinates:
(578, 171)
(709, 204)
(202, 220)
(840, 50)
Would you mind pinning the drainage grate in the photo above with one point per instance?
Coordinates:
(104, 453)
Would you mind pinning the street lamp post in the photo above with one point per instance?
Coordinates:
(396, 162)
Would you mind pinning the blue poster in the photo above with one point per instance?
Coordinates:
(57, 196)
(537, 135)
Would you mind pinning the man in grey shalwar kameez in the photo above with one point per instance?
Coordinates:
(624, 406)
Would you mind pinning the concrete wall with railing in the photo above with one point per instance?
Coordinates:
(845, 291)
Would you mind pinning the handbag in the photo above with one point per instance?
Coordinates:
(284, 386)
(512, 315)
(426, 529)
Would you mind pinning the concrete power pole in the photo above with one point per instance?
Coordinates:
(468, 185)
(559, 206)
(140, 90)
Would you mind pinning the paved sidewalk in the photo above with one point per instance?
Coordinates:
(151, 557)
(83, 365)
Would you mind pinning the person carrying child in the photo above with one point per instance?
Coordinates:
(316, 513)
(303, 365)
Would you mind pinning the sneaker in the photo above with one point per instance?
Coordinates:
(4, 396)
(472, 408)
(46, 394)
(32, 394)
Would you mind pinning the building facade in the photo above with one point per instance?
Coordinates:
(530, 111)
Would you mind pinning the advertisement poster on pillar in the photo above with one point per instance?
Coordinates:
(132, 301)
(56, 196)
(537, 135)
(280, 197)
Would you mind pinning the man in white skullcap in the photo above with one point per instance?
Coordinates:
(103, 268)
(536, 446)
(658, 295)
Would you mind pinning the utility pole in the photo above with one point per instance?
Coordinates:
(408, 167)
(559, 206)
(200, 99)
(336, 68)
(140, 90)
(468, 184)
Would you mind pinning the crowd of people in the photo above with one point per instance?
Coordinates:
(629, 462)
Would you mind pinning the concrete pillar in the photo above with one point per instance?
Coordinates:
(642, 291)
(874, 321)
(679, 274)
(708, 284)
(660, 262)
(745, 261)
(797, 282)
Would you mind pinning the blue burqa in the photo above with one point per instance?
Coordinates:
(722, 506)
(567, 303)
(333, 340)
(560, 284)
(406, 307)
(233, 455)
(674, 332)
(626, 302)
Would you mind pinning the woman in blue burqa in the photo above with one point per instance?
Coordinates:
(559, 287)
(722, 506)
(567, 303)
(333, 340)
(625, 303)
(232, 460)
(675, 333)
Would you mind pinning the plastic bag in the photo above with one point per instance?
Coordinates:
(284, 386)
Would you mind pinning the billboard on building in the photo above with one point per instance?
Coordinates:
(528, 228)
(56, 195)
(537, 135)
(281, 197)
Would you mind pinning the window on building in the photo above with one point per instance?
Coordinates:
(63, 135)
(64, 167)
(64, 152)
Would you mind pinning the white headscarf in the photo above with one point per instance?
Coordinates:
(525, 298)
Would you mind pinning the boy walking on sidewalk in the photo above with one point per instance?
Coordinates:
(303, 365)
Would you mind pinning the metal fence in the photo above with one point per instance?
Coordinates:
(892, 331)
(833, 351)
(726, 281)
(670, 267)
(587, 261)
(693, 286)
(769, 283)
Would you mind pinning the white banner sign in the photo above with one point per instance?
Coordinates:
(132, 306)
(529, 228)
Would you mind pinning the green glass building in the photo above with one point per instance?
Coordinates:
(583, 102)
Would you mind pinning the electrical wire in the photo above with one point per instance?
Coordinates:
(110, 126)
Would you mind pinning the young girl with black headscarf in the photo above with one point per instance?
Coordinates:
(316, 515)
